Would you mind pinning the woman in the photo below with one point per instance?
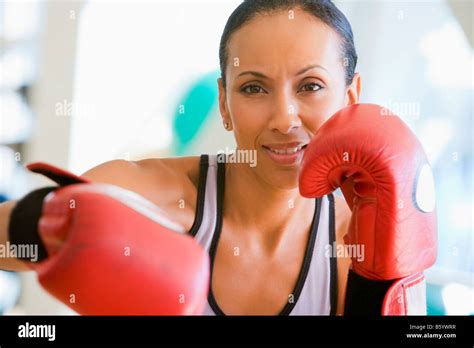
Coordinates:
(289, 79)
(286, 67)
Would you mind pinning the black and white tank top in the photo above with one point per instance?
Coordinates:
(315, 292)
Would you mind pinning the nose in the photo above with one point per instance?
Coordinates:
(284, 117)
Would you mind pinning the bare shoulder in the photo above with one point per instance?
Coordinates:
(188, 166)
(121, 168)
(171, 182)
(177, 170)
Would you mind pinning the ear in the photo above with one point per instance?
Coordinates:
(223, 102)
(353, 91)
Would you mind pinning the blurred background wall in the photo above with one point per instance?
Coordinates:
(84, 82)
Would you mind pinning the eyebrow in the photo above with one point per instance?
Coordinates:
(309, 67)
(254, 73)
(261, 75)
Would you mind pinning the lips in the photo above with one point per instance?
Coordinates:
(287, 148)
(285, 154)
(286, 151)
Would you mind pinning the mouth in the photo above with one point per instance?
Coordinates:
(285, 154)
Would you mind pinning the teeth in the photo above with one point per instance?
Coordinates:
(288, 151)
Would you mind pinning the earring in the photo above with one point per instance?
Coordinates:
(226, 125)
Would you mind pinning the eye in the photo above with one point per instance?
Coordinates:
(252, 89)
(311, 87)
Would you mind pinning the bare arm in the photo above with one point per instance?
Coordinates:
(14, 264)
(156, 179)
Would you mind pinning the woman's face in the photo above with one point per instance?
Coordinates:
(285, 77)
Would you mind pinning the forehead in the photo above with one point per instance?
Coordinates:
(277, 43)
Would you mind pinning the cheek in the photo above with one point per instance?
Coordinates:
(321, 108)
(249, 118)
(316, 110)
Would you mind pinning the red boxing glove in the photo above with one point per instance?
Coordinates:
(386, 180)
(119, 254)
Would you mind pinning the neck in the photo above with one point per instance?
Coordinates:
(264, 212)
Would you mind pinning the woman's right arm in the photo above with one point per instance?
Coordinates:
(155, 179)
(10, 263)
(88, 230)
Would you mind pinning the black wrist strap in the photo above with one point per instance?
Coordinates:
(364, 297)
(23, 226)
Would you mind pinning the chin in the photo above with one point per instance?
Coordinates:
(282, 177)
